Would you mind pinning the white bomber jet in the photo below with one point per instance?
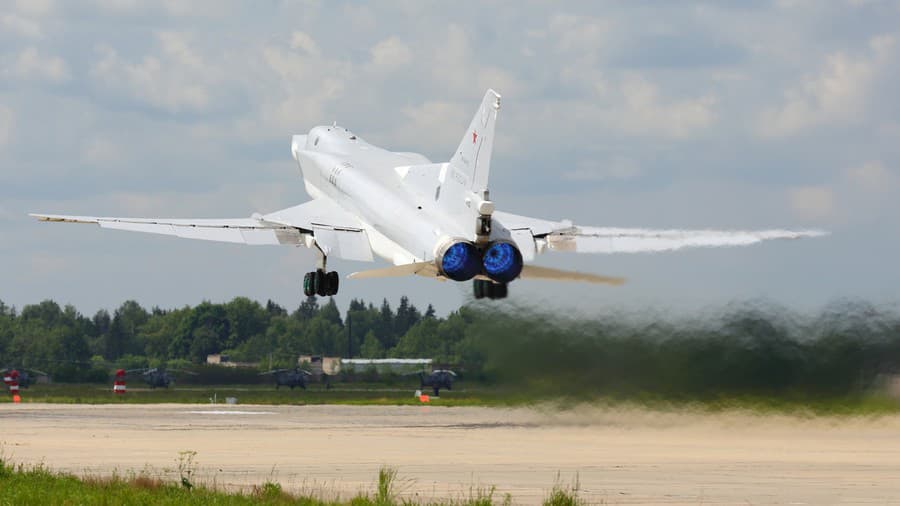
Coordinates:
(429, 219)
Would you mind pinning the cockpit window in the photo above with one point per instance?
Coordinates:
(352, 137)
(316, 142)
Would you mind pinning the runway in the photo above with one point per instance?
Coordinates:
(624, 456)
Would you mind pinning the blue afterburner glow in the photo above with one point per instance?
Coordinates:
(502, 262)
(460, 262)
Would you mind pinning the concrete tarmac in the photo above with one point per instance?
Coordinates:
(620, 456)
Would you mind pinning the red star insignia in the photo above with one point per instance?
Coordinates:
(474, 136)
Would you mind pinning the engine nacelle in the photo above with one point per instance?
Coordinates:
(458, 259)
(502, 261)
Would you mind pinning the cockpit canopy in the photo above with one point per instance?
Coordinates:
(324, 134)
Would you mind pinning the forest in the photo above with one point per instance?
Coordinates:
(849, 346)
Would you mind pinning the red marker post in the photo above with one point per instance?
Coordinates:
(14, 385)
(119, 382)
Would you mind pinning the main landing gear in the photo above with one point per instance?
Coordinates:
(320, 283)
(484, 288)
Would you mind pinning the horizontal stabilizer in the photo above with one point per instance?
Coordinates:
(536, 272)
(426, 269)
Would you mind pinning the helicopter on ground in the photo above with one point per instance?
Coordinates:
(295, 377)
(437, 379)
(20, 376)
(156, 377)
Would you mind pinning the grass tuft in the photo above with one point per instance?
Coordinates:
(565, 495)
(387, 477)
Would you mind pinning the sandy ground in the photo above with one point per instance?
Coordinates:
(619, 457)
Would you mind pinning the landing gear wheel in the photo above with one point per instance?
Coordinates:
(332, 281)
(483, 288)
(319, 283)
(309, 288)
(437, 392)
(498, 291)
(480, 288)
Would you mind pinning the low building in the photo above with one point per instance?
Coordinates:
(387, 365)
(216, 359)
(318, 365)
(225, 361)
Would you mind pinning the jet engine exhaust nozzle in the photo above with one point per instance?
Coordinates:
(502, 261)
(460, 261)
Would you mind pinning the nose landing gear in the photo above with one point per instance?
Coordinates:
(484, 288)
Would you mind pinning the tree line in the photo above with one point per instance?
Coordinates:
(847, 347)
(62, 341)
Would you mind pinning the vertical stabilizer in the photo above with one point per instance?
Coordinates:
(473, 156)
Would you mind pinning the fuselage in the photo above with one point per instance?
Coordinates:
(403, 224)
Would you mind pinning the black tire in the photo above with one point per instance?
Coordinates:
(308, 288)
(500, 291)
(437, 392)
(332, 281)
(319, 276)
(478, 287)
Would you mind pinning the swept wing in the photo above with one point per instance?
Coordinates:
(318, 222)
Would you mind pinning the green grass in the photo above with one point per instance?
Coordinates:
(472, 394)
(352, 394)
(21, 485)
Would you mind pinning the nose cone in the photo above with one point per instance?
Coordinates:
(298, 143)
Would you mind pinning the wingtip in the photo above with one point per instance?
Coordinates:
(42, 217)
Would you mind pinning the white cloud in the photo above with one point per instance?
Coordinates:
(118, 5)
(12, 22)
(812, 202)
(456, 71)
(34, 7)
(7, 119)
(203, 8)
(169, 8)
(573, 34)
(858, 195)
(838, 94)
(175, 79)
(31, 64)
(644, 113)
(431, 124)
(451, 60)
(391, 53)
(302, 40)
(101, 151)
(293, 89)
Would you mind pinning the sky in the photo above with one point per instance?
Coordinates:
(707, 114)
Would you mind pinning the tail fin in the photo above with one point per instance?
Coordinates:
(473, 156)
